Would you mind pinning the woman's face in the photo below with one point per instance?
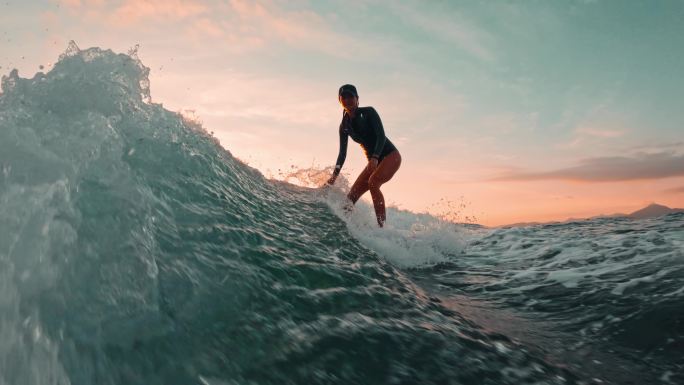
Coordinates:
(349, 101)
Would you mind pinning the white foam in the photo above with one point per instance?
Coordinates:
(620, 288)
(407, 240)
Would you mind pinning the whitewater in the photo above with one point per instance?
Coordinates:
(134, 249)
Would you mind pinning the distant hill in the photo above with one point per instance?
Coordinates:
(653, 210)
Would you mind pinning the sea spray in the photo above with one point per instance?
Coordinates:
(408, 240)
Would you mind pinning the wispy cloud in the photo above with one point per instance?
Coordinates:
(599, 132)
(248, 24)
(676, 190)
(206, 27)
(131, 11)
(658, 147)
(256, 100)
(450, 27)
(507, 123)
(611, 169)
(125, 13)
(79, 3)
(585, 135)
(302, 29)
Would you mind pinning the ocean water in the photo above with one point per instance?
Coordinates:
(135, 250)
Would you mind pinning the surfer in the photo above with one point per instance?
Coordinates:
(364, 126)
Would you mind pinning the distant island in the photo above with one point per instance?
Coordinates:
(651, 211)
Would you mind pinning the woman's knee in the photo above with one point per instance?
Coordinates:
(374, 184)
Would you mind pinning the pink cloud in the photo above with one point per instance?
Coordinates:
(134, 10)
(79, 3)
(303, 29)
(123, 13)
(611, 169)
(599, 132)
(595, 134)
(242, 25)
(451, 28)
(206, 27)
(676, 190)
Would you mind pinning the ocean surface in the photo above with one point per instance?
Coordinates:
(134, 249)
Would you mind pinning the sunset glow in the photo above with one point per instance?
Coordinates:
(528, 111)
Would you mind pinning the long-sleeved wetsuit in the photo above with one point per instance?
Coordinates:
(366, 129)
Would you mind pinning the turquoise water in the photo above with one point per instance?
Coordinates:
(135, 250)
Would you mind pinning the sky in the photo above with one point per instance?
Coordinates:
(503, 111)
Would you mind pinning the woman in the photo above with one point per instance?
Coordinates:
(364, 126)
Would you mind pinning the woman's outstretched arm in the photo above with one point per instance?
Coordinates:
(341, 156)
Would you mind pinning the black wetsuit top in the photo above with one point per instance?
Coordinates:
(366, 129)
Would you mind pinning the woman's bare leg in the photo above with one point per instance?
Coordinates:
(382, 174)
(360, 186)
